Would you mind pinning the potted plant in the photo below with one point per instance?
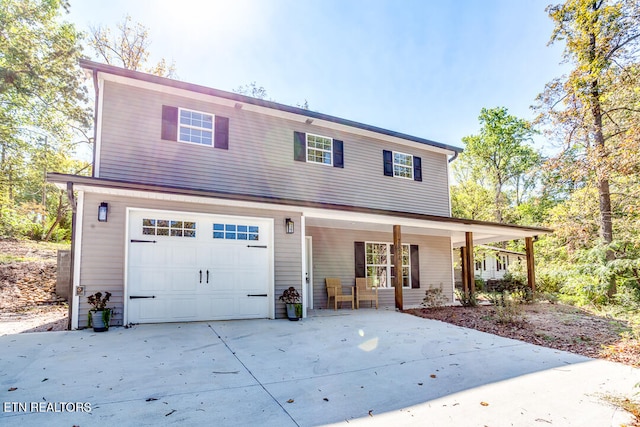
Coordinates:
(291, 298)
(100, 314)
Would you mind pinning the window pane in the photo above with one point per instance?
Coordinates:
(378, 275)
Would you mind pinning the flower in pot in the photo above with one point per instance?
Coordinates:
(100, 314)
(291, 298)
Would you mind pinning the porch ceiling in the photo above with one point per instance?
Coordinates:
(483, 232)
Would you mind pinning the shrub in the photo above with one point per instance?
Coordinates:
(509, 309)
(466, 300)
(434, 298)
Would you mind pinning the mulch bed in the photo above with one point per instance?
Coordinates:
(550, 325)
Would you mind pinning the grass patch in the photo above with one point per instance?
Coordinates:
(8, 259)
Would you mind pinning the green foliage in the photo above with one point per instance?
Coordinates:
(507, 307)
(42, 109)
(500, 161)
(469, 300)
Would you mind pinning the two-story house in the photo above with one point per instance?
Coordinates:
(206, 205)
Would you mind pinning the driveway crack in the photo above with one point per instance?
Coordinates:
(251, 373)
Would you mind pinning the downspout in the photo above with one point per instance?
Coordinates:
(455, 156)
(71, 293)
(95, 122)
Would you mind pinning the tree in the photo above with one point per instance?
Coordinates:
(595, 109)
(129, 48)
(41, 91)
(253, 90)
(499, 158)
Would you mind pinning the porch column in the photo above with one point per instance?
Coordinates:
(465, 268)
(531, 273)
(397, 264)
(471, 279)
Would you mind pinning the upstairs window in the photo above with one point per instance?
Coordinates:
(195, 127)
(319, 149)
(402, 165)
(311, 148)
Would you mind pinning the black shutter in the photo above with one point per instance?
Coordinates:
(417, 168)
(415, 266)
(360, 259)
(338, 154)
(388, 162)
(299, 146)
(169, 123)
(221, 138)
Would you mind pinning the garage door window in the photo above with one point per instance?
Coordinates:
(236, 232)
(168, 227)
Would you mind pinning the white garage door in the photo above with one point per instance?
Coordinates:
(186, 267)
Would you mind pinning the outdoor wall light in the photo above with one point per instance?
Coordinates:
(289, 225)
(103, 209)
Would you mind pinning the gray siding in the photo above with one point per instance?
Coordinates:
(259, 160)
(103, 248)
(333, 256)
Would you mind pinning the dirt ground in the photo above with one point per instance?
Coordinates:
(556, 326)
(28, 302)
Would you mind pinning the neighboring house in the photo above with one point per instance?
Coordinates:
(212, 203)
(491, 263)
(495, 262)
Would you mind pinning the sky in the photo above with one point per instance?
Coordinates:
(421, 67)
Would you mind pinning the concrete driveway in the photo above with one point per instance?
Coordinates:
(361, 367)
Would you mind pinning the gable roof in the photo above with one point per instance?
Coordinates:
(150, 78)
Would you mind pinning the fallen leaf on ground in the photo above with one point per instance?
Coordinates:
(13, 388)
(290, 401)
(151, 399)
(432, 375)
(484, 403)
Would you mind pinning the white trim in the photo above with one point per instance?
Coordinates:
(77, 256)
(125, 288)
(270, 248)
(303, 245)
(393, 163)
(212, 130)
(98, 142)
(268, 111)
(306, 140)
(309, 272)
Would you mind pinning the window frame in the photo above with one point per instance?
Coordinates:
(393, 164)
(212, 130)
(330, 150)
(389, 265)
